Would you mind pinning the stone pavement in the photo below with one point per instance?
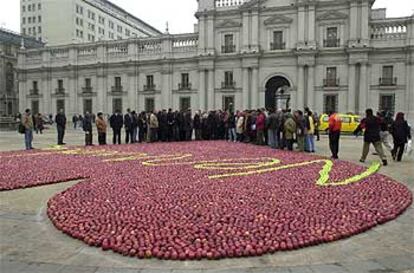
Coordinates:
(29, 243)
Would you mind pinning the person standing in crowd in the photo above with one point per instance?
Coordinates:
(142, 127)
(317, 124)
(289, 131)
(134, 128)
(197, 125)
(60, 120)
(300, 130)
(87, 128)
(401, 133)
(260, 127)
(335, 126)
(188, 125)
(240, 126)
(231, 126)
(272, 123)
(39, 123)
(372, 125)
(128, 126)
(116, 121)
(75, 121)
(170, 124)
(27, 122)
(101, 127)
(310, 137)
(153, 127)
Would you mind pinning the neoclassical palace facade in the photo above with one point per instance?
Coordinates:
(326, 54)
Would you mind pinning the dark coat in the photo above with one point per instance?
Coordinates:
(116, 122)
(87, 124)
(401, 132)
(197, 122)
(128, 121)
(60, 120)
(372, 126)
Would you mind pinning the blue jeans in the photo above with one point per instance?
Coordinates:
(272, 138)
(28, 138)
(310, 143)
(232, 134)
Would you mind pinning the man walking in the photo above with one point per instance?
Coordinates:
(116, 121)
(371, 124)
(335, 125)
(60, 120)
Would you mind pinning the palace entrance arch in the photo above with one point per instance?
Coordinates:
(277, 93)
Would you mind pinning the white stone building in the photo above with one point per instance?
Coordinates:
(326, 54)
(60, 22)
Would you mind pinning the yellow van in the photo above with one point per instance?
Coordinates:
(349, 122)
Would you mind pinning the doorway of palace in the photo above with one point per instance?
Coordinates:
(277, 93)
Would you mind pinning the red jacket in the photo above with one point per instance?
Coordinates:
(260, 122)
(335, 123)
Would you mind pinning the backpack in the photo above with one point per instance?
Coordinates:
(21, 129)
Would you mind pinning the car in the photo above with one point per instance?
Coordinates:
(349, 122)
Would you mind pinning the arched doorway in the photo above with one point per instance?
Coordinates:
(277, 93)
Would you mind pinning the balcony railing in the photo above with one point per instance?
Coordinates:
(117, 89)
(388, 81)
(60, 90)
(34, 92)
(184, 86)
(87, 89)
(228, 49)
(331, 42)
(331, 82)
(149, 87)
(277, 46)
(228, 85)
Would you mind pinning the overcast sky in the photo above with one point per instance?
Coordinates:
(179, 13)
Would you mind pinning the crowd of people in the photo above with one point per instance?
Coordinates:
(279, 129)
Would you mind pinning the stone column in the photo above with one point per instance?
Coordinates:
(102, 91)
(255, 30)
(246, 26)
(351, 88)
(301, 88)
(311, 87)
(210, 35)
(255, 88)
(353, 19)
(363, 88)
(72, 100)
(211, 96)
(311, 23)
(202, 35)
(301, 24)
(165, 90)
(132, 91)
(410, 92)
(202, 89)
(246, 96)
(365, 21)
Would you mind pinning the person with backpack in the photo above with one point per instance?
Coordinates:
(272, 124)
(27, 129)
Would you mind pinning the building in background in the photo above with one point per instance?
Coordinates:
(10, 43)
(330, 55)
(59, 22)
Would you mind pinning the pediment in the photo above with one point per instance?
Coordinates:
(332, 15)
(228, 24)
(278, 20)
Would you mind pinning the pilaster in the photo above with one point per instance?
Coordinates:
(246, 95)
(255, 87)
(351, 88)
(211, 96)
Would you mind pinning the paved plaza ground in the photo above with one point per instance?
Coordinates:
(30, 243)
